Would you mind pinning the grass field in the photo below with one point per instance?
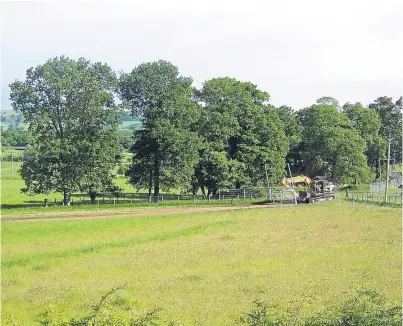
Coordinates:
(126, 124)
(11, 184)
(203, 268)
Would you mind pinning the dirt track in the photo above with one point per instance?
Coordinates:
(125, 213)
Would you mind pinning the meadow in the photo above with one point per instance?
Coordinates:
(201, 268)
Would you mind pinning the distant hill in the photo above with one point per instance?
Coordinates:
(12, 118)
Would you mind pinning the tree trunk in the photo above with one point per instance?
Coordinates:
(194, 189)
(66, 197)
(150, 183)
(237, 185)
(93, 197)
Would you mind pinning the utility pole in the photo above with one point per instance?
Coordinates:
(380, 171)
(267, 182)
(289, 170)
(389, 139)
(267, 176)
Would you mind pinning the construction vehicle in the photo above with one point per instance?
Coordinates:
(308, 190)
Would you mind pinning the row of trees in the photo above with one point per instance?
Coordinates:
(15, 137)
(218, 136)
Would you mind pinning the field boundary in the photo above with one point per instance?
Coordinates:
(126, 213)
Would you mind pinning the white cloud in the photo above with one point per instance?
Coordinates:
(295, 50)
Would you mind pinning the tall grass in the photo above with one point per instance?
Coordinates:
(202, 268)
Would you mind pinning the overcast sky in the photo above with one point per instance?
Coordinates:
(295, 50)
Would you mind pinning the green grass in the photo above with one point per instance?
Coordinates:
(203, 268)
(126, 124)
(11, 184)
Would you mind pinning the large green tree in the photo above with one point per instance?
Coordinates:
(328, 100)
(368, 123)
(390, 114)
(332, 146)
(15, 137)
(165, 150)
(293, 131)
(70, 111)
(241, 133)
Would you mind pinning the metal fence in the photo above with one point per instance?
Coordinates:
(225, 195)
(260, 195)
(395, 198)
(379, 187)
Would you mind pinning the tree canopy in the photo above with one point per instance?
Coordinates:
(390, 114)
(241, 133)
(166, 149)
(219, 136)
(332, 146)
(70, 111)
(368, 123)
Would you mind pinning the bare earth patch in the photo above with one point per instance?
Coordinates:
(125, 213)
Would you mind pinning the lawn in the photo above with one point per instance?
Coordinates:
(202, 268)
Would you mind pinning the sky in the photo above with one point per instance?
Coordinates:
(297, 51)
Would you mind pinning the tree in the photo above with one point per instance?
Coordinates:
(328, 100)
(19, 118)
(70, 111)
(241, 133)
(390, 114)
(293, 132)
(165, 150)
(17, 137)
(332, 146)
(368, 123)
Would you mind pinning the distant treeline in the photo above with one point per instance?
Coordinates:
(219, 136)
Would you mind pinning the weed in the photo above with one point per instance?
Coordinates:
(367, 308)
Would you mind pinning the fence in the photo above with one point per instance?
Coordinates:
(395, 198)
(379, 187)
(260, 195)
(10, 164)
(264, 194)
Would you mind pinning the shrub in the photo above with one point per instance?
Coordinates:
(111, 310)
(367, 308)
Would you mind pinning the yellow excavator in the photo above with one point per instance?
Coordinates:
(308, 190)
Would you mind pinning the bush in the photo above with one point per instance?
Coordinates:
(349, 187)
(109, 311)
(367, 308)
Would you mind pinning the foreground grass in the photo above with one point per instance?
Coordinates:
(202, 268)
